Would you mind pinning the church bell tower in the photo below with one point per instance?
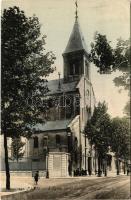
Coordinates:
(75, 56)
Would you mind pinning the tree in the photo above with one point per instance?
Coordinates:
(98, 132)
(120, 139)
(122, 62)
(108, 59)
(25, 66)
(17, 148)
(102, 54)
(127, 109)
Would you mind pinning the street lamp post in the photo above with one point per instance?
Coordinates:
(69, 135)
(85, 153)
(47, 159)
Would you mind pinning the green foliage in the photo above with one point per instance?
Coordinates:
(25, 66)
(98, 129)
(120, 137)
(17, 148)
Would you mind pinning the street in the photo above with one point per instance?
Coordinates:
(84, 188)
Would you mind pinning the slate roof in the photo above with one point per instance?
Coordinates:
(52, 125)
(76, 41)
(65, 87)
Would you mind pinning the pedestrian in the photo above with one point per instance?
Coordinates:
(82, 172)
(36, 177)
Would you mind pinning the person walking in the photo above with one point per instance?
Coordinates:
(36, 177)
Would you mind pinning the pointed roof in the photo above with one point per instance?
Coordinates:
(76, 41)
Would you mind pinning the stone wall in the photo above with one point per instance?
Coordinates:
(28, 165)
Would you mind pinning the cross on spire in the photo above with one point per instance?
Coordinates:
(76, 12)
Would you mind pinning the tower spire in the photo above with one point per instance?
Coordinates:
(76, 12)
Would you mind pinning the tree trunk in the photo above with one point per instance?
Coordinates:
(6, 163)
(90, 165)
(117, 166)
(105, 167)
(99, 166)
(124, 167)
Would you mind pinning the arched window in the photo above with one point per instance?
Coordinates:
(87, 69)
(58, 139)
(45, 141)
(74, 68)
(76, 71)
(36, 142)
(75, 143)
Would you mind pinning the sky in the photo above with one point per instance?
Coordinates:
(109, 17)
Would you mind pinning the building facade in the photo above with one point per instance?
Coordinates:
(61, 142)
(59, 146)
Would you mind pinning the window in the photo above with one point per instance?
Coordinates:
(71, 70)
(36, 142)
(68, 112)
(45, 141)
(77, 104)
(35, 160)
(76, 71)
(87, 69)
(69, 106)
(74, 68)
(58, 139)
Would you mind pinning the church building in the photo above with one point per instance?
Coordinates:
(59, 146)
(60, 143)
